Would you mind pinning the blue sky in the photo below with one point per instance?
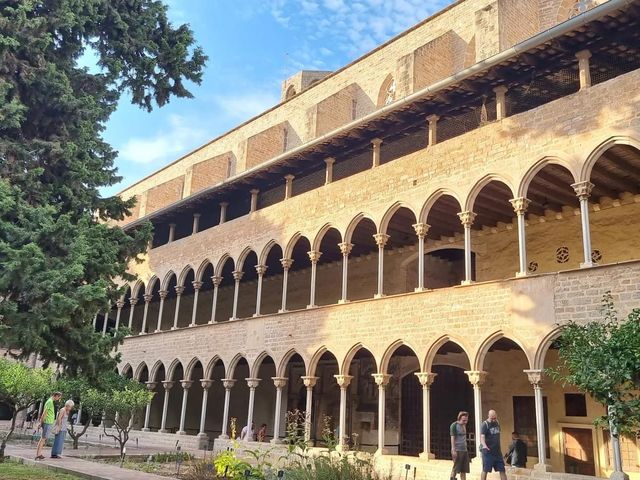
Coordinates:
(253, 45)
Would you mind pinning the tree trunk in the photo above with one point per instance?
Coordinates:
(6, 438)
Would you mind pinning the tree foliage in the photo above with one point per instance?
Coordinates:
(60, 257)
(602, 359)
(20, 388)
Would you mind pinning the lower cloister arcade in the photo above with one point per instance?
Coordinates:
(548, 222)
(394, 404)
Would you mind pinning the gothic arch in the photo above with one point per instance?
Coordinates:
(386, 356)
(387, 92)
(282, 366)
(139, 370)
(234, 363)
(346, 363)
(184, 274)
(167, 280)
(211, 365)
(483, 182)
(354, 223)
(433, 350)
(135, 291)
(202, 268)
(221, 263)
(262, 258)
(255, 368)
(172, 369)
(320, 235)
(553, 159)
(594, 156)
(127, 367)
(543, 347)
(313, 363)
(155, 369)
(189, 369)
(243, 256)
(386, 218)
(433, 198)
(483, 349)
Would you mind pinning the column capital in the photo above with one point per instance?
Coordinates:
(500, 90)
(343, 380)
(289, 177)
(583, 189)
(151, 385)
(467, 218)
(583, 55)
(253, 382)
(520, 205)
(426, 379)
(329, 160)
(476, 377)
(286, 263)
(120, 304)
(421, 229)
(381, 379)
(381, 239)
(261, 269)
(254, 191)
(224, 204)
(228, 383)
(237, 275)
(217, 280)
(186, 384)
(314, 255)
(376, 142)
(179, 289)
(197, 215)
(147, 297)
(310, 382)
(133, 301)
(197, 285)
(163, 294)
(279, 382)
(172, 225)
(206, 383)
(535, 377)
(168, 385)
(433, 118)
(345, 248)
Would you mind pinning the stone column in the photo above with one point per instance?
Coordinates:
(343, 383)
(168, 385)
(196, 223)
(467, 220)
(328, 176)
(217, 280)
(477, 378)
(252, 383)
(119, 306)
(228, 384)
(583, 191)
(79, 415)
(309, 382)
(432, 125)
(261, 270)
(237, 276)
(179, 292)
(132, 301)
(95, 320)
(105, 322)
(520, 206)
(254, 199)
(151, 386)
(206, 384)
(345, 249)
(280, 383)
(421, 231)
(381, 240)
(288, 186)
(376, 143)
(314, 256)
(382, 379)
(501, 104)
(147, 300)
(535, 378)
(186, 384)
(583, 57)
(426, 379)
(172, 232)
(163, 295)
(223, 212)
(197, 285)
(286, 265)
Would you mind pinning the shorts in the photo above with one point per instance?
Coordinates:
(492, 462)
(46, 430)
(461, 463)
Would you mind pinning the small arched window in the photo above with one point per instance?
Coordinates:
(387, 93)
(291, 92)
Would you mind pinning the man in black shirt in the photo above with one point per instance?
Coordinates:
(517, 454)
(490, 447)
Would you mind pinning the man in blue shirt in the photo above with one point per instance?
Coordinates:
(490, 447)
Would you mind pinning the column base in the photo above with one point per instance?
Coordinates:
(342, 447)
(379, 295)
(174, 328)
(145, 430)
(231, 319)
(142, 333)
(282, 310)
(311, 306)
(381, 451)
(256, 315)
(588, 264)
(619, 476)
(192, 325)
(521, 274)
(223, 437)
(202, 435)
(342, 301)
(157, 330)
(418, 289)
(181, 432)
(542, 467)
(427, 456)
(211, 322)
(277, 441)
(163, 430)
(466, 282)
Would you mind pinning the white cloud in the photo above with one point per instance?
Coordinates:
(166, 144)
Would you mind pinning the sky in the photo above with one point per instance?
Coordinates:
(253, 46)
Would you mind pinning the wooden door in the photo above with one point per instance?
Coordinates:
(578, 451)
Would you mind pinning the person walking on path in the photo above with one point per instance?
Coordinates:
(459, 452)
(490, 447)
(516, 456)
(60, 429)
(46, 421)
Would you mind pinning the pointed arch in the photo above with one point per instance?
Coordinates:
(596, 153)
(315, 359)
(543, 347)
(388, 215)
(391, 349)
(167, 280)
(354, 223)
(212, 364)
(173, 367)
(439, 343)
(221, 263)
(127, 367)
(184, 274)
(155, 369)
(321, 233)
(483, 349)
(234, 363)
(139, 369)
(483, 182)
(135, 290)
(255, 368)
(203, 268)
(351, 353)
(262, 258)
(189, 368)
(288, 250)
(243, 256)
(151, 284)
(552, 159)
(433, 198)
(282, 366)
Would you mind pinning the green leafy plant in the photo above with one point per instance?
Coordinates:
(295, 423)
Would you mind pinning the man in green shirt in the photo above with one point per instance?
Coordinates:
(47, 419)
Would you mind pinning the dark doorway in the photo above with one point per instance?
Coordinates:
(411, 438)
(578, 451)
(451, 393)
(445, 268)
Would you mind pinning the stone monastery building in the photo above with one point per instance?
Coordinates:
(398, 240)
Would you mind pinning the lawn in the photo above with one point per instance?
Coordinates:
(16, 471)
